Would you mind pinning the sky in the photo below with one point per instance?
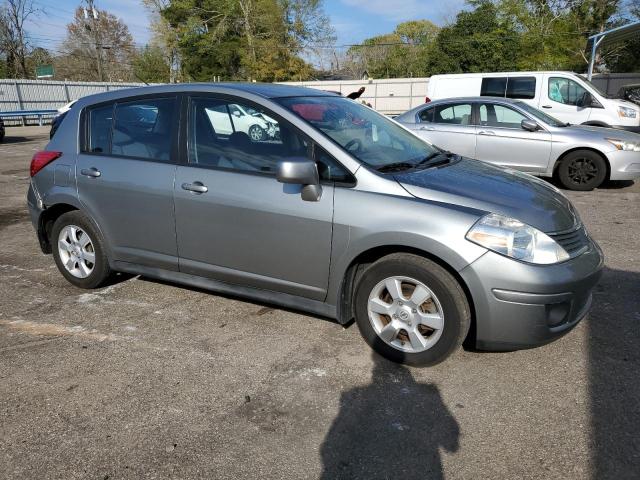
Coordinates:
(353, 20)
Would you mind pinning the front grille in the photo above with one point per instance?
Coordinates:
(574, 242)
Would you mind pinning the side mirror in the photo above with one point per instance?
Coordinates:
(529, 125)
(236, 113)
(586, 100)
(301, 171)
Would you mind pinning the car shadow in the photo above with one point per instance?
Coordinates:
(8, 140)
(394, 427)
(614, 375)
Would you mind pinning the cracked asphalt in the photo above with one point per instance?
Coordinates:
(150, 380)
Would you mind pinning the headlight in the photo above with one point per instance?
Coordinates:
(510, 237)
(627, 112)
(624, 145)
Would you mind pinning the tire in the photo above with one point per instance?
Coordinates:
(257, 133)
(77, 252)
(444, 299)
(582, 170)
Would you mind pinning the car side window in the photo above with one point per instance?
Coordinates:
(230, 135)
(99, 129)
(330, 170)
(493, 115)
(426, 115)
(565, 90)
(456, 114)
(143, 128)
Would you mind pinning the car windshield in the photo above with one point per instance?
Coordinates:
(548, 119)
(369, 136)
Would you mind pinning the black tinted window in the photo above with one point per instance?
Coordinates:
(235, 136)
(329, 169)
(521, 87)
(426, 115)
(493, 87)
(143, 128)
(99, 134)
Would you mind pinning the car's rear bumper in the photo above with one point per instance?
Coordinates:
(35, 211)
(519, 305)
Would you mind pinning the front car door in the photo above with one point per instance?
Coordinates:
(448, 126)
(234, 221)
(125, 173)
(560, 98)
(502, 140)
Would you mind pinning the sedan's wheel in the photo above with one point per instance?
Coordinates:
(78, 251)
(411, 310)
(257, 133)
(582, 170)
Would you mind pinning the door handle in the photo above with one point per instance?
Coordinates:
(195, 187)
(486, 132)
(90, 172)
(429, 129)
(546, 106)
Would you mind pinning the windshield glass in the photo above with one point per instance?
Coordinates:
(367, 135)
(540, 115)
(593, 85)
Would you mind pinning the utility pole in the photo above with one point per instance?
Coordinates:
(91, 19)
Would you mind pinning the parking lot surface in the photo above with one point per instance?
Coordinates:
(143, 379)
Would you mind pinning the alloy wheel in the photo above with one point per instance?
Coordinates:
(582, 170)
(76, 251)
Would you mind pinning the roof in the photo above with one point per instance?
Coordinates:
(618, 34)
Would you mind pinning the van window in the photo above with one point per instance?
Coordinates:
(565, 90)
(457, 114)
(521, 87)
(493, 86)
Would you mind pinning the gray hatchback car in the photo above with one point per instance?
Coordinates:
(344, 214)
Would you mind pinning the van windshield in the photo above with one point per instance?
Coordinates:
(369, 136)
(540, 115)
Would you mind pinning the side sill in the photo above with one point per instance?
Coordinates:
(267, 296)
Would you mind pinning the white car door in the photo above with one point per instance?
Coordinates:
(448, 126)
(560, 98)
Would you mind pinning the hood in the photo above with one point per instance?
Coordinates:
(479, 185)
(600, 133)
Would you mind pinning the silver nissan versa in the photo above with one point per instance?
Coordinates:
(342, 213)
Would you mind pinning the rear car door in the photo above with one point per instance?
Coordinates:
(448, 126)
(125, 173)
(502, 140)
(234, 221)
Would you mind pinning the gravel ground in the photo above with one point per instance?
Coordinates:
(149, 380)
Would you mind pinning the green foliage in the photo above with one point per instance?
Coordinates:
(150, 65)
(246, 39)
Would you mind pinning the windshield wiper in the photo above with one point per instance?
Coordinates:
(430, 160)
(396, 167)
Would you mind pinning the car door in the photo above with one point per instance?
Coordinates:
(502, 140)
(448, 126)
(560, 98)
(235, 222)
(125, 173)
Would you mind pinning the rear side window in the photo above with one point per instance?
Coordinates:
(456, 114)
(143, 128)
(493, 87)
(99, 131)
(521, 87)
(426, 115)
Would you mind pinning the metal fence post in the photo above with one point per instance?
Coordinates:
(20, 105)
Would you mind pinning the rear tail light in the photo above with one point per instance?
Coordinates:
(427, 99)
(42, 159)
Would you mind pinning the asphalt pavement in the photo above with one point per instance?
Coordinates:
(143, 379)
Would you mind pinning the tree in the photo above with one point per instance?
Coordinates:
(97, 49)
(150, 65)
(13, 41)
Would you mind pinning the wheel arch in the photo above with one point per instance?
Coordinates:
(576, 149)
(344, 307)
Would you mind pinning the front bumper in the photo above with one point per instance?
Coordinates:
(625, 165)
(519, 305)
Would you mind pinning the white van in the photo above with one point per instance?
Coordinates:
(564, 95)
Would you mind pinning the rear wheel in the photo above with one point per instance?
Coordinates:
(411, 310)
(582, 170)
(78, 251)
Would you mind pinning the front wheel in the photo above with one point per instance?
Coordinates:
(257, 133)
(582, 170)
(411, 310)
